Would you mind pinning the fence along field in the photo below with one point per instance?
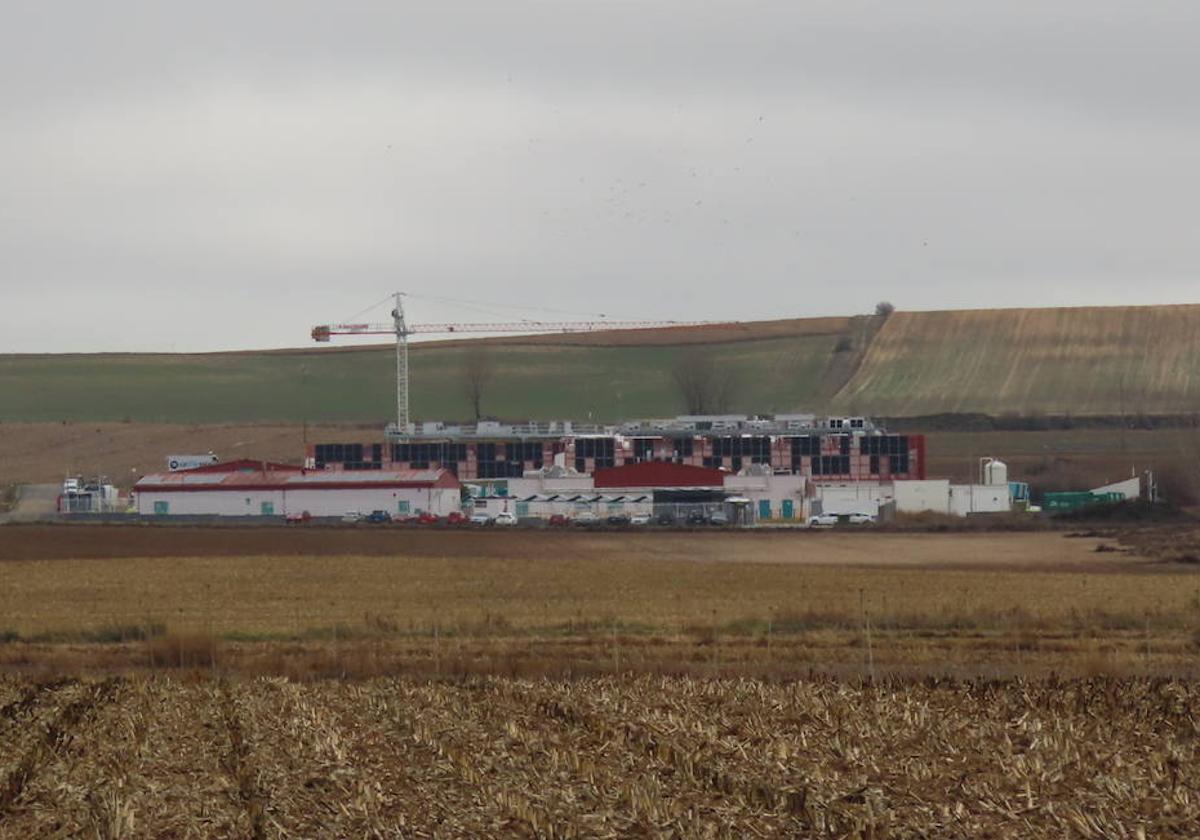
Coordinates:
(634, 756)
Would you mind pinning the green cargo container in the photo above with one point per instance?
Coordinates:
(1076, 500)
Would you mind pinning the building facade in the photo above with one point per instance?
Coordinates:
(252, 488)
(835, 449)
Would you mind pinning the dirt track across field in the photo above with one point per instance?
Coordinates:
(1050, 551)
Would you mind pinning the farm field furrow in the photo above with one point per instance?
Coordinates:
(611, 757)
(827, 744)
(60, 717)
(148, 763)
(621, 792)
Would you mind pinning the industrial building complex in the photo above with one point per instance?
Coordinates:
(832, 449)
(704, 469)
(727, 469)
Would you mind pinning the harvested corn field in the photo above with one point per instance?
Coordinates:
(643, 757)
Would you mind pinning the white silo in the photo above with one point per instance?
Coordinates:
(993, 472)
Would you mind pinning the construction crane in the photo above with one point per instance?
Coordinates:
(402, 330)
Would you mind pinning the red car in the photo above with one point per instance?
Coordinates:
(455, 518)
(559, 520)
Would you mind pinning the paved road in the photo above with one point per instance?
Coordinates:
(34, 501)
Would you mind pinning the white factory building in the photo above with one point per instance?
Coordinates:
(769, 496)
(255, 488)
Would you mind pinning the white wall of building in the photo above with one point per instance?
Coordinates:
(1130, 488)
(921, 496)
(771, 496)
(328, 502)
(211, 502)
(979, 498)
(853, 497)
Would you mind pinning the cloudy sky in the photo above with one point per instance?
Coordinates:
(223, 175)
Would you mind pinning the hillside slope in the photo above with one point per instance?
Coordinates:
(1081, 361)
(779, 366)
(1085, 361)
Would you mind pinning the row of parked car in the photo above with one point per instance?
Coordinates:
(829, 520)
(580, 519)
(507, 518)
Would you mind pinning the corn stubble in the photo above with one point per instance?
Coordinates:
(196, 756)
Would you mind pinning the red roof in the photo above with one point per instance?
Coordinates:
(657, 474)
(291, 479)
(243, 465)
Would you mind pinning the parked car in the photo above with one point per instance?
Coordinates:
(823, 520)
(618, 520)
(455, 517)
(481, 517)
(697, 517)
(298, 518)
(585, 518)
(379, 516)
(640, 519)
(718, 517)
(352, 516)
(665, 519)
(558, 520)
(505, 517)
(862, 519)
(422, 518)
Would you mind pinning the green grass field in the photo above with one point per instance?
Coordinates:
(535, 382)
(1087, 361)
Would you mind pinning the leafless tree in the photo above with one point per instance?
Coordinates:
(479, 371)
(704, 386)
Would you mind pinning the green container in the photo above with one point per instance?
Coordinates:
(1076, 500)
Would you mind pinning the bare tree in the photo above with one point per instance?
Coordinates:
(479, 371)
(704, 386)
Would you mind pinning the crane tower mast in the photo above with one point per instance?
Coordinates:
(401, 330)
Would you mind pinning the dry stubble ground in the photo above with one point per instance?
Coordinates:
(404, 710)
(365, 602)
(627, 757)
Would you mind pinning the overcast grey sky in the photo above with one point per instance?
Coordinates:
(223, 175)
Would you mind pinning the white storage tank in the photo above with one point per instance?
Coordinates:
(993, 472)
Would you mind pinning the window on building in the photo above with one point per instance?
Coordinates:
(267, 508)
(402, 507)
(802, 447)
(643, 449)
(162, 508)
